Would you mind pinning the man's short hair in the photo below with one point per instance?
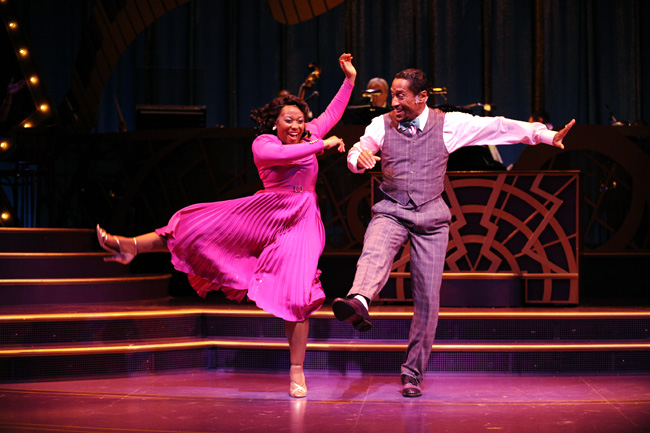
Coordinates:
(417, 79)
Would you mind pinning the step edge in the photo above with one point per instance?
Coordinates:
(44, 230)
(74, 281)
(329, 345)
(52, 255)
(323, 315)
(253, 313)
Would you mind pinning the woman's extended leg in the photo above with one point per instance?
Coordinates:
(125, 249)
(297, 333)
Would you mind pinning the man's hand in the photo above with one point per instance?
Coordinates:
(367, 160)
(557, 140)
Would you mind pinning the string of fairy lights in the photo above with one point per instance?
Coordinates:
(33, 82)
(28, 67)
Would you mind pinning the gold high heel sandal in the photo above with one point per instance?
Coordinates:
(118, 255)
(297, 390)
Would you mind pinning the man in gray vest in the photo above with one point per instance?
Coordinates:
(415, 142)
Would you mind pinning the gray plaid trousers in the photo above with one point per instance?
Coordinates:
(427, 227)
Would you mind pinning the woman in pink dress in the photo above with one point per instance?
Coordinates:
(265, 246)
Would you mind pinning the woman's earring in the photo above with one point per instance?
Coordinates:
(274, 127)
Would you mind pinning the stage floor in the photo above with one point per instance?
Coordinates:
(217, 401)
(224, 401)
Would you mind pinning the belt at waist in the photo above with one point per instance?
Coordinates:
(288, 188)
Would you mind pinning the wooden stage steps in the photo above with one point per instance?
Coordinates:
(64, 313)
(51, 266)
(89, 340)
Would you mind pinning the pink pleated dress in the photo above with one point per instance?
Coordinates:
(265, 246)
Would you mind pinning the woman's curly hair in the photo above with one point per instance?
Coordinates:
(266, 116)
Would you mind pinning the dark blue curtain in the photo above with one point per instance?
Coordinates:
(572, 58)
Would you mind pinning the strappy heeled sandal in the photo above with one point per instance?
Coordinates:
(118, 255)
(297, 390)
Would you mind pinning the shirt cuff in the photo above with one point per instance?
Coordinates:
(352, 163)
(547, 136)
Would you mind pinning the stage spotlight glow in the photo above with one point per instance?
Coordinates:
(43, 107)
(5, 215)
(23, 52)
(4, 145)
(27, 125)
(33, 79)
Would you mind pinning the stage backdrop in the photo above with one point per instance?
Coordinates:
(582, 59)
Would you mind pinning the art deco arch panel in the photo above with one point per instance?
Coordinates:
(508, 225)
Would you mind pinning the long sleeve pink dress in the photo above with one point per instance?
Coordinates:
(267, 245)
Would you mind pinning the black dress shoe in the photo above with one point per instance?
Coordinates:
(410, 387)
(351, 310)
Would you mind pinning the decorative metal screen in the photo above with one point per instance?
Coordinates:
(507, 226)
